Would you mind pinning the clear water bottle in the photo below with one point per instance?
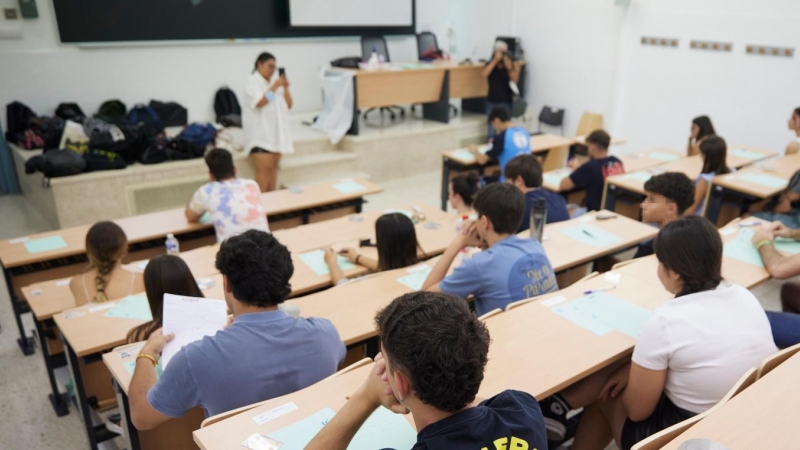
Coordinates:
(373, 62)
(538, 219)
(173, 246)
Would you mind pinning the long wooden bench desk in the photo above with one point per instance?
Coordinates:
(62, 253)
(632, 183)
(762, 416)
(462, 160)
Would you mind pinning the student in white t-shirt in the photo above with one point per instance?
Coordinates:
(688, 356)
(234, 204)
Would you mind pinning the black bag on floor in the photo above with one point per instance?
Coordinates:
(70, 111)
(147, 118)
(172, 114)
(57, 163)
(18, 117)
(111, 111)
(97, 159)
(227, 108)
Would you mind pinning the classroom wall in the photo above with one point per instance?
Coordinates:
(749, 98)
(40, 71)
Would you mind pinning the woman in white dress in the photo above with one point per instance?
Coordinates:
(265, 115)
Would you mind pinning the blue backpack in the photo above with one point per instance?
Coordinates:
(147, 118)
(197, 136)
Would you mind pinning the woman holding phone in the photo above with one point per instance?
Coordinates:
(265, 119)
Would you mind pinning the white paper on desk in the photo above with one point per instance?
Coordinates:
(190, 319)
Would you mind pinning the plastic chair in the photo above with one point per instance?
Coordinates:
(667, 435)
(775, 360)
(378, 43)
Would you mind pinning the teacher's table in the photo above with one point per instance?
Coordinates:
(62, 253)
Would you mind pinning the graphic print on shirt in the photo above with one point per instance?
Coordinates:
(509, 443)
(614, 168)
(531, 276)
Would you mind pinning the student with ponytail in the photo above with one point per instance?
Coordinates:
(462, 192)
(105, 279)
(687, 357)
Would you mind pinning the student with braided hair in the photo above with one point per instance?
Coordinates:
(105, 278)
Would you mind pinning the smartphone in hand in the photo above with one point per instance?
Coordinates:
(281, 72)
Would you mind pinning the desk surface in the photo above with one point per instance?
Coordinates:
(156, 225)
(783, 167)
(762, 416)
(89, 331)
(546, 351)
(539, 143)
(115, 361)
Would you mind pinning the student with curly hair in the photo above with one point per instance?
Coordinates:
(434, 355)
(105, 279)
(263, 354)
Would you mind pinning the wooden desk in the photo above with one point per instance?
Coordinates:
(632, 183)
(539, 352)
(746, 192)
(146, 233)
(175, 434)
(761, 416)
(454, 161)
(328, 393)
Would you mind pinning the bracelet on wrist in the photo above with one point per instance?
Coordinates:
(147, 356)
(763, 243)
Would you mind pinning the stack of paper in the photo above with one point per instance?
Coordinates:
(190, 319)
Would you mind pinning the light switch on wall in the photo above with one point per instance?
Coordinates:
(10, 14)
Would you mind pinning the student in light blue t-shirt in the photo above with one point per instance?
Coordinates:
(511, 140)
(263, 354)
(509, 269)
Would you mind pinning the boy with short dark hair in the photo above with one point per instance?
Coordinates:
(263, 354)
(669, 195)
(234, 204)
(525, 173)
(592, 174)
(509, 269)
(434, 351)
(511, 140)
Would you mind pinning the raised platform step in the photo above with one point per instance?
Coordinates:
(297, 170)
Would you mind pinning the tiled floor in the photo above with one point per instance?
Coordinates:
(28, 421)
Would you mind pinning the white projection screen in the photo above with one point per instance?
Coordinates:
(351, 13)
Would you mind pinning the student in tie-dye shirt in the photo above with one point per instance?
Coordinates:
(233, 204)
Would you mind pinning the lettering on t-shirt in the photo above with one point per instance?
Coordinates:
(531, 276)
(613, 168)
(509, 443)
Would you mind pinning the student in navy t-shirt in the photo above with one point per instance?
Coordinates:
(511, 140)
(509, 268)
(434, 351)
(525, 173)
(592, 174)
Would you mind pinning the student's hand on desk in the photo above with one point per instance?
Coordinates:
(765, 233)
(330, 257)
(350, 253)
(377, 391)
(780, 230)
(616, 383)
(155, 344)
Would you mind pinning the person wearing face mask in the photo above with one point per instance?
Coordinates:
(509, 269)
(265, 120)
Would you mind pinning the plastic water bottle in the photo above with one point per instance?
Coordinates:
(173, 246)
(374, 62)
(538, 219)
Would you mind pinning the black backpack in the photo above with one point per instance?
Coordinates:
(49, 129)
(172, 114)
(227, 108)
(156, 152)
(147, 118)
(97, 159)
(18, 117)
(111, 111)
(134, 141)
(70, 111)
(57, 163)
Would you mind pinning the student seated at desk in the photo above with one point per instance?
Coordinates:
(525, 173)
(263, 354)
(785, 325)
(396, 241)
(714, 152)
(234, 204)
(794, 125)
(461, 193)
(687, 357)
(105, 278)
(701, 127)
(592, 174)
(164, 274)
(511, 140)
(787, 208)
(669, 195)
(509, 268)
(434, 352)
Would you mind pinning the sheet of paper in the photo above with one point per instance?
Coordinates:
(746, 154)
(415, 279)
(602, 313)
(788, 246)
(639, 176)
(297, 435)
(274, 413)
(132, 307)
(464, 155)
(131, 365)
(591, 235)
(46, 244)
(315, 260)
(190, 319)
(555, 178)
(19, 240)
(206, 219)
(348, 187)
(663, 156)
(763, 179)
(741, 247)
